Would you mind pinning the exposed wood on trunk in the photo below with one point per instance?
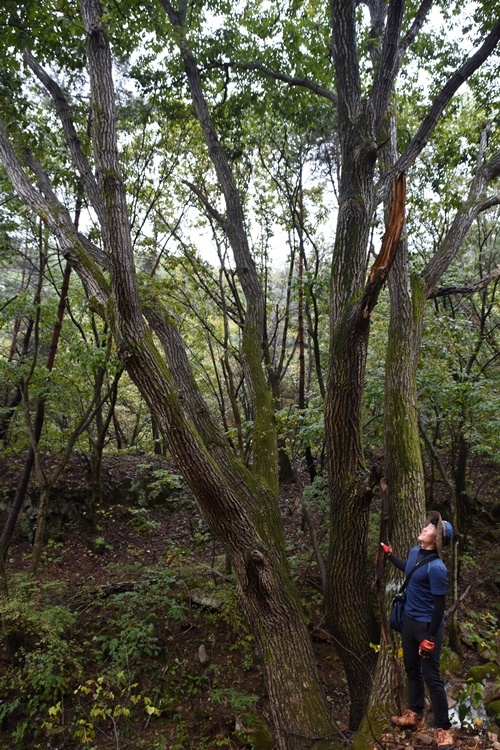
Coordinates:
(390, 243)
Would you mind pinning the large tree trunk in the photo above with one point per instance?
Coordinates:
(361, 131)
(348, 603)
(403, 462)
(403, 468)
(352, 299)
(348, 600)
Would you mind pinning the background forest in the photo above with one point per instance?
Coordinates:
(249, 327)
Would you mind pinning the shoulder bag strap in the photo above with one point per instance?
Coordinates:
(417, 565)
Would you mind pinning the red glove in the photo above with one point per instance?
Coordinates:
(425, 649)
(386, 547)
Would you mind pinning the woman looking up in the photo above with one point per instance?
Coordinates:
(423, 628)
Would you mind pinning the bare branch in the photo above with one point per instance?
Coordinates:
(46, 189)
(305, 83)
(203, 198)
(471, 289)
(417, 24)
(494, 200)
(387, 253)
(435, 455)
(443, 98)
(492, 168)
(466, 214)
(458, 602)
(483, 142)
(310, 525)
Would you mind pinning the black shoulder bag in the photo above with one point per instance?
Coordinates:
(398, 603)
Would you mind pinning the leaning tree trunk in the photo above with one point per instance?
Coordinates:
(348, 604)
(243, 513)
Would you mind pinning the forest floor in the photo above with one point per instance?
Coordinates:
(161, 658)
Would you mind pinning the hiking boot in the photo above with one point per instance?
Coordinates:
(408, 720)
(443, 739)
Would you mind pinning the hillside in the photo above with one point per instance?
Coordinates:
(133, 638)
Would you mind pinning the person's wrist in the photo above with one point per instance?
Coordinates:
(426, 648)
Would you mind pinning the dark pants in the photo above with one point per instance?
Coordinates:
(420, 670)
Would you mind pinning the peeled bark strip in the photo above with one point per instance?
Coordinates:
(390, 242)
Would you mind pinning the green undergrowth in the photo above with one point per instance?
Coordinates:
(162, 659)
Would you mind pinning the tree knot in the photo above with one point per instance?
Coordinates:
(124, 351)
(256, 557)
(259, 575)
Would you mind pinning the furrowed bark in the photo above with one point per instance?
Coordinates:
(115, 227)
(348, 605)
